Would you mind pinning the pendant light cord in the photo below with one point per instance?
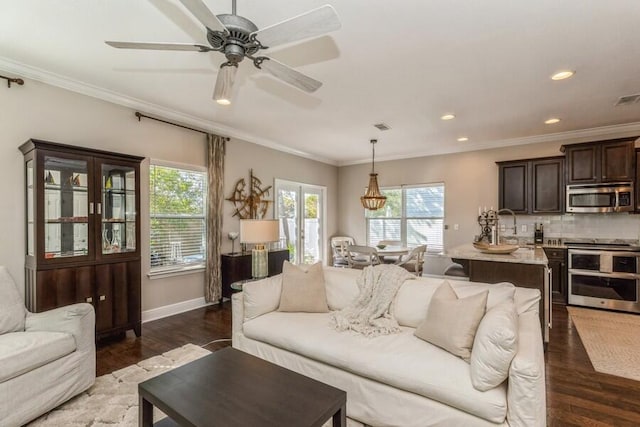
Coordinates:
(373, 160)
(233, 7)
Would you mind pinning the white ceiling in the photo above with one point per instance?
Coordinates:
(402, 62)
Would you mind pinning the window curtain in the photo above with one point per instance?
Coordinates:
(215, 170)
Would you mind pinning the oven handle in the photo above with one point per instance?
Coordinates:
(599, 274)
(620, 253)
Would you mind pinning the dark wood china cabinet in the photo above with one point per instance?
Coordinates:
(83, 232)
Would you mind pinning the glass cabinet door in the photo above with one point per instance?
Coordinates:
(66, 207)
(118, 228)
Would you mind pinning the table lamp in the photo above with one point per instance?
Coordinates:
(259, 232)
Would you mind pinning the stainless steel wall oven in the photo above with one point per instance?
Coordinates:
(604, 276)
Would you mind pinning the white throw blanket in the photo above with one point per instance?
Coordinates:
(369, 313)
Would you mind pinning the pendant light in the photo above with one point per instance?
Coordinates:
(373, 199)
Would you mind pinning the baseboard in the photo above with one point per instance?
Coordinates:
(171, 309)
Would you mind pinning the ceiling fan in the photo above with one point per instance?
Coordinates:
(239, 38)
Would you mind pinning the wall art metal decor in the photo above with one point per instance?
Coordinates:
(250, 200)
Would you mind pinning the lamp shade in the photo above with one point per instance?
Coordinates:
(224, 84)
(259, 230)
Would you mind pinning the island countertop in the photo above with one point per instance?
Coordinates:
(520, 256)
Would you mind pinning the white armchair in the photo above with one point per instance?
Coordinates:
(45, 358)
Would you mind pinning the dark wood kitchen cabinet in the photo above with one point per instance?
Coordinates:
(532, 186)
(559, 273)
(235, 267)
(602, 161)
(513, 182)
(638, 180)
(82, 232)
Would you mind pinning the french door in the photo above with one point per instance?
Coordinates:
(301, 210)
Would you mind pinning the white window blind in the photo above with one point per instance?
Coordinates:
(177, 199)
(412, 214)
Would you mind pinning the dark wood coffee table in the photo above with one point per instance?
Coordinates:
(232, 388)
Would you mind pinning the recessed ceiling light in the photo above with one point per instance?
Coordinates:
(551, 121)
(561, 75)
(448, 117)
(463, 139)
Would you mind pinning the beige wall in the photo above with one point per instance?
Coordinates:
(471, 180)
(37, 110)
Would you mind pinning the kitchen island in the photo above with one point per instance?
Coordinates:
(526, 267)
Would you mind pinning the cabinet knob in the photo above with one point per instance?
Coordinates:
(102, 297)
(89, 299)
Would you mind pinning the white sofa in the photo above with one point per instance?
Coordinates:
(45, 358)
(398, 379)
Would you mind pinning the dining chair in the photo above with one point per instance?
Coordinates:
(414, 260)
(362, 256)
(339, 246)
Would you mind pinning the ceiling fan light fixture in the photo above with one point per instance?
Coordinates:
(564, 74)
(224, 83)
(373, 199)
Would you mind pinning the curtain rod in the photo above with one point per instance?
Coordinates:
(140, 115)
(12, 80)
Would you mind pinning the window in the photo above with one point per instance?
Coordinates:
(412, 214)
(177, 198)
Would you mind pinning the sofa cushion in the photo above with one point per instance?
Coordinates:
(303, 289)
(261, 296)
(22, 352)
(12, 310)
(341, 286)
(412, 300)
(495, 345)
(451, 322)
(400, 360)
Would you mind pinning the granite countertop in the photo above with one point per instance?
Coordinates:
(521, 256)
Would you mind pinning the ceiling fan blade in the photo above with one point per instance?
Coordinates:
(310, 24)
(203, 14)
(289, 75)
(159, 46)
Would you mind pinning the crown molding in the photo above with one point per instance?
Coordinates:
(568, 137)
(53, 79)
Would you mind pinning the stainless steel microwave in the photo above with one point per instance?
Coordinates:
(600, 198)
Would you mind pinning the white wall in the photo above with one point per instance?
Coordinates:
(37, 110)
(471, 180)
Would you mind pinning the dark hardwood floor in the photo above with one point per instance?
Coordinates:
(200, 327)
(576, 394)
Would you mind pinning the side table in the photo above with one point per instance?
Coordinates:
(237, 286)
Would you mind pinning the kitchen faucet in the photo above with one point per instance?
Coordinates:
(515, 227)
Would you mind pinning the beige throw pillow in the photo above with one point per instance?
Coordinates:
(451, 322)
(303, 289)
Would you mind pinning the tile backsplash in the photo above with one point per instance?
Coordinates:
(603, 226)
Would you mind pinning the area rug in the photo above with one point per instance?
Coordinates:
(612, 340)
(113, 399)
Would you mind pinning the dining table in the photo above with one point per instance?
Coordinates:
(392, 251)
